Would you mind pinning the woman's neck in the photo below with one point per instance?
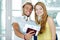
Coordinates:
(39, 18)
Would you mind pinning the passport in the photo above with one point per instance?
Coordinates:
(29, 29)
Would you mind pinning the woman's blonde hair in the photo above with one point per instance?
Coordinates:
(44, 17)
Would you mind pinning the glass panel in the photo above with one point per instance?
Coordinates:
(0, 16)
(34, 1)
(2, 19)
(16, 4)
(52, 3)
(3, 38)
(16, 13)
(53, 14)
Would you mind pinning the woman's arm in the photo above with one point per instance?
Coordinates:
(52, 28)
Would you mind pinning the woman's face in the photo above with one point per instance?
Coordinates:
(27, 10)
(39, 10)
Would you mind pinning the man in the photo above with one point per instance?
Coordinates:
(19, 23)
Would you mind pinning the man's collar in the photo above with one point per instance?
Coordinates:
(26, 18)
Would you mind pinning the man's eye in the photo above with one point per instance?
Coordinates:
(26, 7)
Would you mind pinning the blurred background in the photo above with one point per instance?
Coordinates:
(13, 8)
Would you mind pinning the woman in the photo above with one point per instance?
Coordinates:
(19, 23)
(48, 30)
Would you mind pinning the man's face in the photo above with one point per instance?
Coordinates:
(27, 10)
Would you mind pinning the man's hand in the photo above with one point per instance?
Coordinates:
(29, 35)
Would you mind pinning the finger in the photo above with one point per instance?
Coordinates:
(31, 32)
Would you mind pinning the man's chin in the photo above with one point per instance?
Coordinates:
(28, 15)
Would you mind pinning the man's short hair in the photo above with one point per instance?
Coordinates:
(28, 3)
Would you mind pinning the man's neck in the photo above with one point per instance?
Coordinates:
(26, 17)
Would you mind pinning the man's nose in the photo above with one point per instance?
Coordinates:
(29, 10)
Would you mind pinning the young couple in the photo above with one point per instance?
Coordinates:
(48, 29)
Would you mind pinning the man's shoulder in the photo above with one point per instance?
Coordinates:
(17, 18)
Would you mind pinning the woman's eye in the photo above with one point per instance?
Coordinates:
(40, 9)
(36, 9)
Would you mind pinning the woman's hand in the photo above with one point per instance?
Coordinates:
(29, 35)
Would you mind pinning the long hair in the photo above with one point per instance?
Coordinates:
(44, 17)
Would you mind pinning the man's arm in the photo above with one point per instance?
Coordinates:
(16, 30)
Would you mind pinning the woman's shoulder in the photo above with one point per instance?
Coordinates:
(49, 19)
